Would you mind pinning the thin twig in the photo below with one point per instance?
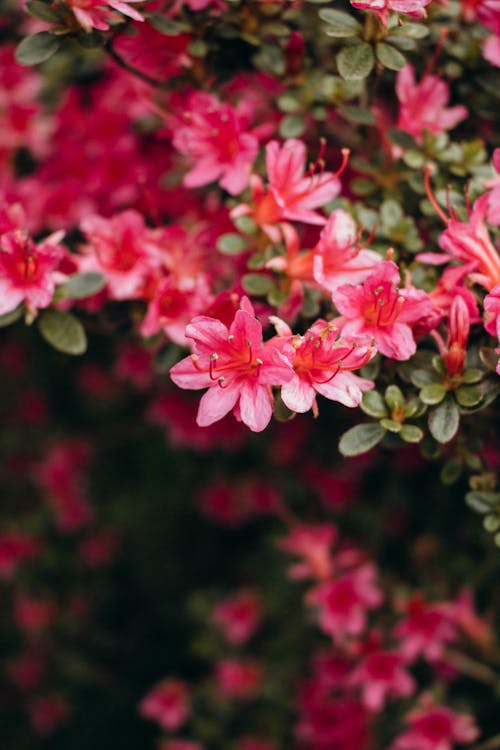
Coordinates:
(130, 68)
(472, 668)
(492, 744)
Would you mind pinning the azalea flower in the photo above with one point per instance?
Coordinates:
(235, 365)
(436, 728)
(28, 272)
(96, 14)
(293, 194)
(422, 106)
(238, 617)
(379, 309)
(382, 8)
(167, 704)
(380, 675)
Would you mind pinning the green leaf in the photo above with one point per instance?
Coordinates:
(11, 317)
(292, 126)
(468, 395)
(413, 30)
(37, 48)
(482, 502)
(373, 404)
(167, 26)
(339, 18)
(63, 331)
(444, 420)
(474, 375)
(281, 412)
(394, 397)
(410, 433)
(257, 283)
(246, 224)
(231, 244)
(42, 11)
(82, 285)
(357, 115)
(401, 138)
(391, 425)
(432, 394)
(451, 471)
(389, 56)
(167, 357)
(355, 61)
(360, 439)
(421, 378)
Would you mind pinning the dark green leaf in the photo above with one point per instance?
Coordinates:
(82, 285)
(42, 11)
(401, 138)
(166, 25)
(231, 244)
(444, 420)
(358, 115)
(394, 397)
(292, 126)
(391, 425)
(389, 56)
(482, 502)
(339, 18)
(11, 317)
(360, 439)
(355, 61)
(468, 395)
(410, 433)
(37, 48)
(421, 378)
(432, 394)
(63, 331)
(373, 404)
(451, 471)
(257, 283)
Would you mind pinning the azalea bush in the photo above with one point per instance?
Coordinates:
(250, 312)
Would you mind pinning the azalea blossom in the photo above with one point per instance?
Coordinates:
(425, 631)
(313, 544)
(381, 310)
(238, 678)
(235, 365)
(238, 617)
(322, 363)
(436, 728)
(96, 14)
(293, 194)
(218, 140)
(28, 271)
(380, 675)
(382, 8)
(423, 105)
(167, 704)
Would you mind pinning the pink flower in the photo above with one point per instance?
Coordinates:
(238, 617)
(426, 630)
(382, 674)
(314, 545)
(167, 704)
(322, 363)
(422, 106)
(292, 193)
(217, 139)
(28, 272)
(238, 678)
(96, 14)
(492, 311)
(33, 615)
(467, 241)
(179, 745)
(173, 304)
(381, 8)
(436, 728)
(493, 211)
(123, 249)
(328, 722)
(15, 548)
(338, 259)
(236, 366)
(343, 602)
(145, 50)
(382, 311)
(47, 712)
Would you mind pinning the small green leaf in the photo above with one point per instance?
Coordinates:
(167, 357)
(432, 394)
(451, 471)
(401, 138)
(421, 378)
(389, 56)
(42, 11)
(257, 283)
(444, 420)
(391, 425)
(468, 395)
(474, 375)
(63, 331)
(355, 61)
(292, 126)
(357, 115)
(37, 48)
(11, 317)
(246, 224)
(82, 285)
(410, 433)
(394, 397)
(166, 25)
(413, 30)
(482, 502)
(339, 18)
(491, 523)
(281, 412)
(373, 404)
(231, 244)
(360, 439)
